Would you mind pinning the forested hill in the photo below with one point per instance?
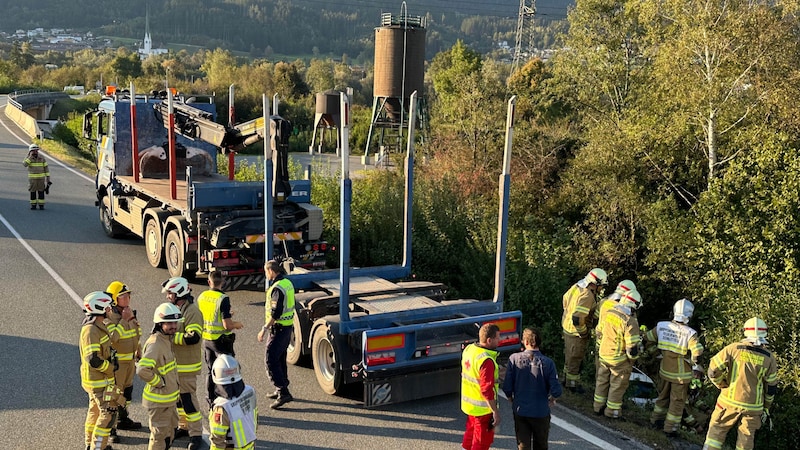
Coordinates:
(261, 27)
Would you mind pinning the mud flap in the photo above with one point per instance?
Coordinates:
(413, 386)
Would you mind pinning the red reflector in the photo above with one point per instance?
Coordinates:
(234, 254)
(324, 247)
(378, 360)
(225, 254)
(509, 340)
(316, 247)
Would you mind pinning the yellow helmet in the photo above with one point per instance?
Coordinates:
(116, 288)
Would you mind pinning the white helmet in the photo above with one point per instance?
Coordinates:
(33, 147)
(176, 285)
(755, 328)
(624, 287)
(682, 311)
(225, 370)
(95, 303)
(632, 300)
(597, 276)
(167, 312)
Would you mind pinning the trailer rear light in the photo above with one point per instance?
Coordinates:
(439, 349)
(225, 258)
(509, 334)
(378, 359)
(316, 247)
(324, 246)
(389, 342)
(509, 339)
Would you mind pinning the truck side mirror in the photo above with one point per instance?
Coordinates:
(87, 125)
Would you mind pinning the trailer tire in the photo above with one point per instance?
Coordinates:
(174, 254)
(110, 226)
(152, 244)
(326, 361)
(294, 354)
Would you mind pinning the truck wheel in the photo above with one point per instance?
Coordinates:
(294, 354)
(152, 244)
(110, 226)
(325, 360)
(174, 254)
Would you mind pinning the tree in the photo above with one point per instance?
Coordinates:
(319, 75)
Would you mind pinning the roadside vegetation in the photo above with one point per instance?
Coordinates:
(660, 144)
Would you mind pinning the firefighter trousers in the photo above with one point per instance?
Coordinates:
(99, 419)
(189, 416)
(163, 421)
(670, 404)
(610, 386)
(574, 351)
(723, 419)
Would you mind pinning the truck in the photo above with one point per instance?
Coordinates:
(192, 219)
(400, 337)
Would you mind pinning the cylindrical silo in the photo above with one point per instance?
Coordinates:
(399, 57)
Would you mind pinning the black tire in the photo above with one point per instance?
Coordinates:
(294, 354)
(152, 244)
(174, 254)
(110, 226)
(325, 359)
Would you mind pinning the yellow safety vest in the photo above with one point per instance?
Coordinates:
(472, 402)
(209, 303)
(287, 316)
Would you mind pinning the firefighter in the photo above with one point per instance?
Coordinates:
(188, 354)
(38, 176)
(675, 339)
(603, 306)
(218, 326)
(98, 362)
(618, 350)
(127, 332)
(157, 369)
(279, 321)
(233, 419)
(579, 305)
(747, 375)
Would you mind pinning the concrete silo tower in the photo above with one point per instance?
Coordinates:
(399, 71)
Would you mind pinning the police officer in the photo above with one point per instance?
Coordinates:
(233, 419)
(619, 348)
(747, 375)
(188, 354)
(38, 175)
(579, 304)
(97, 371)
(158, 370)
(218, 326)
(127, 332)
(278, 326)
(676, 340)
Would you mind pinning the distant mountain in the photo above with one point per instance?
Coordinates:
(290, 27)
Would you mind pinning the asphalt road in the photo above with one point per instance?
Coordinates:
(52, 258)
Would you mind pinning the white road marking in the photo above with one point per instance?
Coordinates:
(73, 295)
(582, 434)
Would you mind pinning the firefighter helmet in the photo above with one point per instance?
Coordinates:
(225, 370)
(176, 285)
(755, 328)
(597, 276)
(117, 288)
(33, 147)
(624, 287)
(682, 311)
(632, 299)
(167, 312)
(95, 303)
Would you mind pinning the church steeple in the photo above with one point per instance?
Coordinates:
(148, 42)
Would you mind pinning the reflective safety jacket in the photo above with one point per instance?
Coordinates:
(158, 369)
(472, 402)
(37, 173)
(620, 336)
(579, 304)
(747, 376)
(188, 353)
(287, 314)
(97, 371)
(676, 340)
(603, 306)
(125, 334)
(209, 303)
(233, 422)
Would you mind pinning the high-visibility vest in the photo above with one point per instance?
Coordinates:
(242, 419)
(287, 315)
(209, 303)
(472, 402)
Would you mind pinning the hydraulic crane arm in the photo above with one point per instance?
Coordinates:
(196, 124)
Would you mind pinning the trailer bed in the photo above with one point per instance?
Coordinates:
(388, 297)
(159, 188)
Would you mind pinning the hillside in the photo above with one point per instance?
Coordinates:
(263, 27)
